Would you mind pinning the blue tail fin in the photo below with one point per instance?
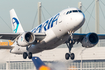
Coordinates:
(39, 64)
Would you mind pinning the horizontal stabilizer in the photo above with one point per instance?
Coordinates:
(6, 47)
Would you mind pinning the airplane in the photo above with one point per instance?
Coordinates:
(39, 64)
(55, 31)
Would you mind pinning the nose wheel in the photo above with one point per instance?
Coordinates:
(67, 56)
(72, 56)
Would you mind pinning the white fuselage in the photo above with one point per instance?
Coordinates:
(56, 30)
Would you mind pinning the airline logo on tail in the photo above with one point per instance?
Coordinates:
(15, 24)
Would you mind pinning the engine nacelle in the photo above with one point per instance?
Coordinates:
(26, 39)
(90, 40)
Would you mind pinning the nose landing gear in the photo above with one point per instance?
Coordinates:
(68, 55)
(70, 45)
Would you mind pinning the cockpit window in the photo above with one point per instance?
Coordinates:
(80, 11)
(73, 11)
(68, 12)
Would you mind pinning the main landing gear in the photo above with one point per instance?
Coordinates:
(25, 54)
(70, 45)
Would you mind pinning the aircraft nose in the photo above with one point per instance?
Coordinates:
(80, 18)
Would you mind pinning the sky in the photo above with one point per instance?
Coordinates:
(27, 9)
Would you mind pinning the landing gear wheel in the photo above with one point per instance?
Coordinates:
(72, 56)
(29, 55)
(67, 55)
(24, 55)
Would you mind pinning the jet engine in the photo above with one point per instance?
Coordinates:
(90, 40)
(26, 39)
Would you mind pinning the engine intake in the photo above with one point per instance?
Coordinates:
(26, 39)
(29, 37)
(90, 40)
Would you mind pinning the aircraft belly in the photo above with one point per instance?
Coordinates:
(50, 45)
(43, 46)
(60, 41)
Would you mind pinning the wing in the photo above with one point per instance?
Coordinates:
(8, 36)
(79, 37)
(12, 36)
(101, 36)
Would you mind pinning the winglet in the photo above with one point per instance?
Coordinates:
(16, 25)
(39, 64)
